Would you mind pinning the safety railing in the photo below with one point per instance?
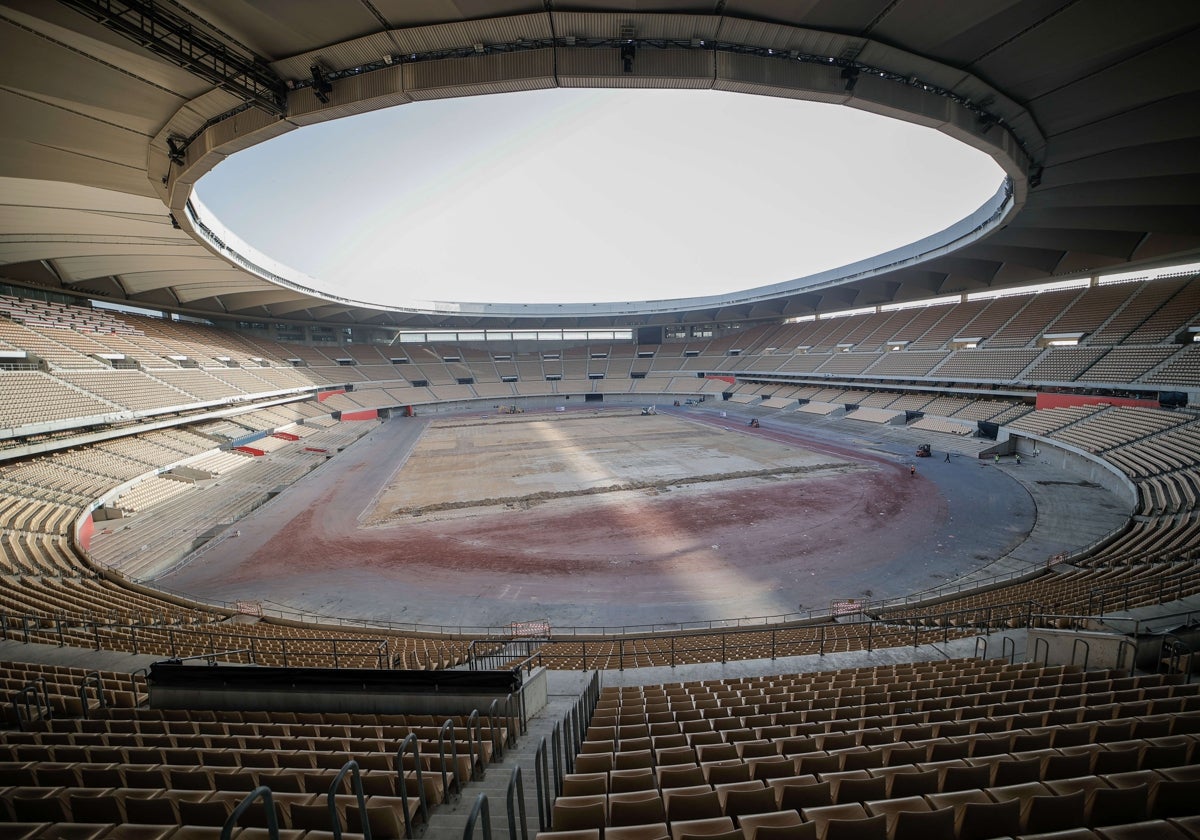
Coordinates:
(479, 810)
(264, 793)
(246, 649)
(499, 740)
(1180, 658)
(515, 799)
(211, 658)
(491, 654)
(475, 745)
(544, 786)
(1112, 596)
(174, 641)
(1123, 595)
(1122, 646)
(710, 641)
(349, 768)
(551, 762)
(30, 698)
(414, 824)
(451, 791)
(773, 643)
(91, 679)
(1087, 651)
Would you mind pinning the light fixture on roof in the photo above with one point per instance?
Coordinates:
(628, 48)
(628, 51)
(322, 87)
(479, 48)
(176, 148)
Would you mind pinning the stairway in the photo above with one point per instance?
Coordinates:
(449, 819)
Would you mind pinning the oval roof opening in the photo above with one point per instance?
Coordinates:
(590, 195)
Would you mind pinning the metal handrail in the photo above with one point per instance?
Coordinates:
(91, 678)
(1179, 650)
(133, 686)
(493, 715)
(1041, 641)
(1087, 651)
(211, 658)
(516, 789)
(567, 742)
(556, 748)
(335, 822)
(411, 741)
(41, 702)
(480, 806)
(261, 792)
(545, 794)
(717, 627)
(475, 745)
(457, 789)
(1121, 645)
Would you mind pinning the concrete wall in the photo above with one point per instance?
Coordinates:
(1076, 462)
(285, 699)
(1066, 647)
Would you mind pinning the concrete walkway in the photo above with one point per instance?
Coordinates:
(75, 657)
(1069, 513)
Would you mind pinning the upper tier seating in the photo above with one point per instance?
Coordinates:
(186, 363)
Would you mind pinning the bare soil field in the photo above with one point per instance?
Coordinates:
(595, 520)
(521, 462)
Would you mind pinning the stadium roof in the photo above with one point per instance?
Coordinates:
(113, 109)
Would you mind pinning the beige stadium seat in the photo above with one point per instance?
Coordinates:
(636, 808)
(648, 831)
(777, 825)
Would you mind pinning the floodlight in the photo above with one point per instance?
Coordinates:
(628, 51)
(322, 87)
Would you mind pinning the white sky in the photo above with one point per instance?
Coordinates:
(585, 196)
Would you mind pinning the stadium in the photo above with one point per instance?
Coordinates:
(905, 548)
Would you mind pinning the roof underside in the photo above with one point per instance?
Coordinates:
(1098, 108)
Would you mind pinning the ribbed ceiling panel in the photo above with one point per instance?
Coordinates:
(771, 77)
(365, 50)
(503, 30)
(499, 73)
(351, 95)
(652, 68)
(602, 25)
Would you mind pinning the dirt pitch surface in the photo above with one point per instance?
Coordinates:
(589, 519)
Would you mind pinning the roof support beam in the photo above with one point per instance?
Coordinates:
(166, 34)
